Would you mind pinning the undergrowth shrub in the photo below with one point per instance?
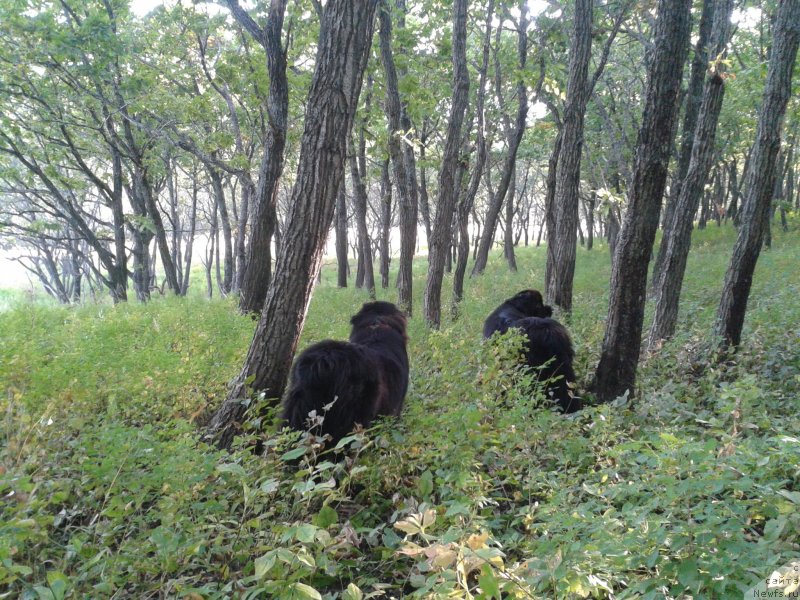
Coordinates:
(689, 489)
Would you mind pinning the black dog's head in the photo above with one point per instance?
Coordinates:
(380, 314)
(531, 303)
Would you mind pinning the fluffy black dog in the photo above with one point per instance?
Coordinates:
(548, 344)
(351, 382)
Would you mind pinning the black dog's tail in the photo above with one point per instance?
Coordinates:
(339, 382)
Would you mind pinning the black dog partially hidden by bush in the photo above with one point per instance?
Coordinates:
(549, 348)
(351, 382)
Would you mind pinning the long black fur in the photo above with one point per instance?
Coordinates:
(549, 348)
(361, 379)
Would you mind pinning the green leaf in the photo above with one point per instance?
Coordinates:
(687, 573)
(353, 592)
(488, 583)
(425, 484)
(305, 533)
(234, 468)
(293, 454)
(264, 564)
(305, 591)
(326, 517)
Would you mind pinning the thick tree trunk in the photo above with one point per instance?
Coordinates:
(694, 97)
(341, 237)
(760, 176)
(258, 264)
(676, 248)
(449, 186)
(565, 203)
(343, 48)
(403, 163)
(616, 372)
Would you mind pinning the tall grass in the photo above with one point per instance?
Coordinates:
(689, 490)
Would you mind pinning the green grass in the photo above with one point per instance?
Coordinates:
(693, 490)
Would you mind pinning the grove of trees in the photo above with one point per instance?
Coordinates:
(238, 139)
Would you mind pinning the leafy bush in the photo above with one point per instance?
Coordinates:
(689, 490)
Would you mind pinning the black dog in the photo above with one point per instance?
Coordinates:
(351, 382)
(549, 348)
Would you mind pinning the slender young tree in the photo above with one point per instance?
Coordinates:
(561, 241)
(341, 237)
(676, 247)
(386, 223)
(404, 165)
(467, 199)
(360, 206)
(449, 187)
(514, 140)
(759, 180)
(343, 48)
(694, 97)
(616, 371)
(563, 180)
(258, 263)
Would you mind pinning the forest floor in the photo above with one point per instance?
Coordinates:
(689, 490)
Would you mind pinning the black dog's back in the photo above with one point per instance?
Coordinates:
(357, 380)
(549, 345)
(337, 375)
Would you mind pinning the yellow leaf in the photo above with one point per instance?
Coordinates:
(477, 540)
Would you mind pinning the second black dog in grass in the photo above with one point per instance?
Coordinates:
(344, 383)
(549, 347)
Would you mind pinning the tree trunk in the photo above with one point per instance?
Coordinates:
(676, 248)
(694, 97)
(467, 200)
(341, 237)
(227, 243)
(568, 171)
(258, 264)
(760, 177)
(386, 223)
(403, 163)
(508, 237)
(616, 372)
(364, 243)
(343, 48)
(514, 139)
(449, 187)
(190, 240)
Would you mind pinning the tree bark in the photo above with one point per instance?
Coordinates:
(341, 237)
(258, 264)
(514, 139)
(565, 202)
(343, 48)
(386, 223)
(467, 200)
(403, 162)
(676, 247)
(760, 176)
(364, 243)
(508, 234)
(616, 371)
(227, 242)
(449, 187)
(694, 98)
